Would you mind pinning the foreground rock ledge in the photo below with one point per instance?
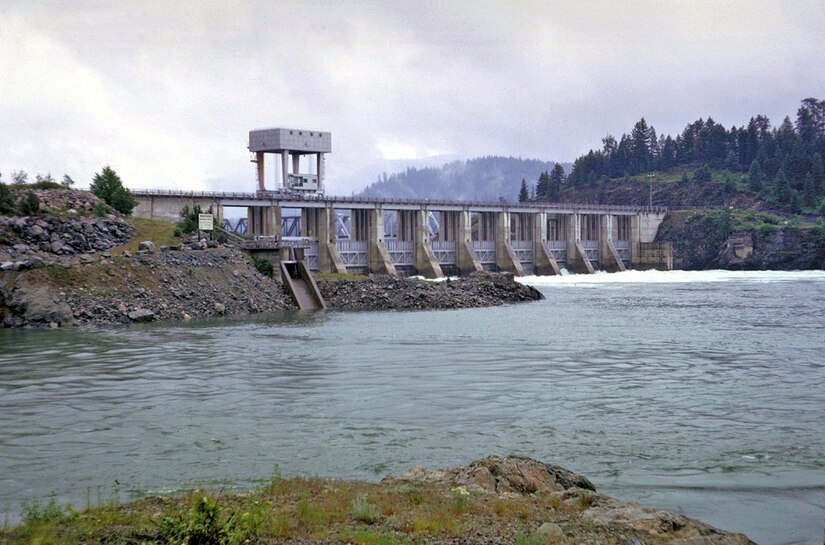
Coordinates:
(496, 500)
(594, 517)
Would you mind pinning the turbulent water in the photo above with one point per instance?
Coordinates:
(703, 393)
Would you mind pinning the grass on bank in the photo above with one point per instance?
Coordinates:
(299, 508)
(161, 232)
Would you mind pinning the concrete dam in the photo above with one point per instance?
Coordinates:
(432, 238)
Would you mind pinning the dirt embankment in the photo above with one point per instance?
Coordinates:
(169, 285)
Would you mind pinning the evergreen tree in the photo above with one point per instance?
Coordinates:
(640, 151)
(523, 194)
(67, 181)
(108, 186)
(818, 173)
(782, 189)
(702, 174)
(755, 177)
(557, 178)
(543, 185)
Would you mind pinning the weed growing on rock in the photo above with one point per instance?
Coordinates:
(364, 511)
(263, 265)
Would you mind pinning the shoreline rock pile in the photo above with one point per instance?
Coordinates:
(595, 518)
(60, 236)
(481, 289)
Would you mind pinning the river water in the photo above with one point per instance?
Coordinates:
(703, 393)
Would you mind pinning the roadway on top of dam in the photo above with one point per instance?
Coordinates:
(288, 199)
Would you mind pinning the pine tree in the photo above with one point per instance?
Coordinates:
(523, 194)
(108, 186)
(556, 180)
(543, 185)
(755, 177)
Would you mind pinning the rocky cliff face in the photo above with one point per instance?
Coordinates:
(705, 242)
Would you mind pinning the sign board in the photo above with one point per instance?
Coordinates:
(206, 222)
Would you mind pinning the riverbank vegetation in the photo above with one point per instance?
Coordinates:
(508, 501)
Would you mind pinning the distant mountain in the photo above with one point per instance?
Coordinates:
(484, 179)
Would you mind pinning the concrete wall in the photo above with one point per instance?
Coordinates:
(164, 207)
(493, 222)
(654, 255)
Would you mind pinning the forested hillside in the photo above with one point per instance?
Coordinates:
(780, 167)
(485, 178)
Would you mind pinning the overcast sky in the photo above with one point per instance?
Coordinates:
(166, 92)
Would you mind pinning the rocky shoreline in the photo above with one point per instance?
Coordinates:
(481, 289)
(496, 500)
(68, 266)
(47, 280)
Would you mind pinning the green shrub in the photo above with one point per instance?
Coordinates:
(6, 200)
(263, 265)
(205, 524)
(29, 205)
(364, 511)
(100, 209)
(201, 526)
(45, 182)
(702, 174)
(188, 220)
(35, 513)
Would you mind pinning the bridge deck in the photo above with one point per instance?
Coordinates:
(283, 199)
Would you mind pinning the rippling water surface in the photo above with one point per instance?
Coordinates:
(703, 393)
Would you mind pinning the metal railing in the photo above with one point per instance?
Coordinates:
(444, 251)
(402, 252)
(485, 250)
(354, 253)
(523, 250)
(591, 249)
(277, 196)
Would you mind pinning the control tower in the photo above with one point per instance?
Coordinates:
(293, 143)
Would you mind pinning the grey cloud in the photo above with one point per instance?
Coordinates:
(167, 92)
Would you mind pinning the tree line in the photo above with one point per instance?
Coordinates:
(784, 164)
(106, 185)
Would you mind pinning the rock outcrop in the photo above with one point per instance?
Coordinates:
(704, 244)
(581, 514)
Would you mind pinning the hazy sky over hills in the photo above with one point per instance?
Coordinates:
(166, 92)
